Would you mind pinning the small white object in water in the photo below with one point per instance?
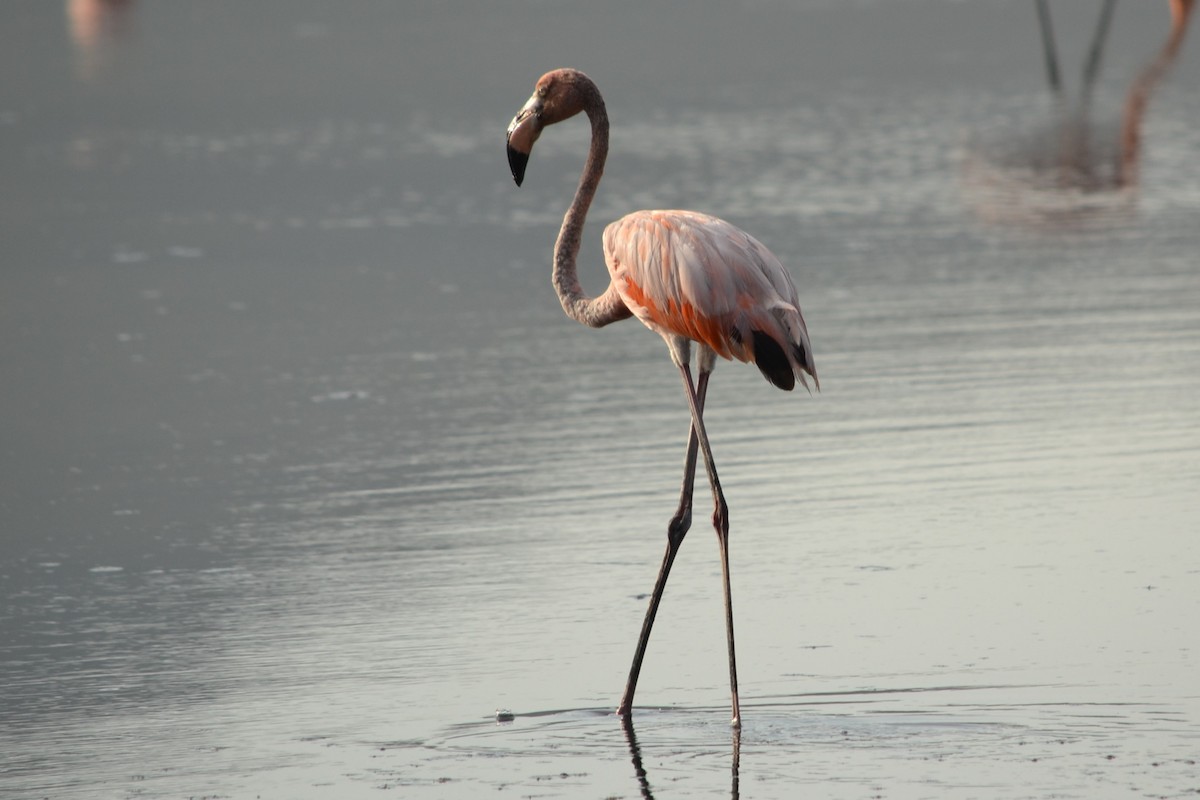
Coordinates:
(340, 396)
(123, 256)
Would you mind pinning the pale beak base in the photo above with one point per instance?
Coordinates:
(523, 131)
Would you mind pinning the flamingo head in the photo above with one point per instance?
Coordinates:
(559, 95)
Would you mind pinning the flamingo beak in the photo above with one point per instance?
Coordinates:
(523, 131)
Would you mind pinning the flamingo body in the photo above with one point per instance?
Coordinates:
(698, 277)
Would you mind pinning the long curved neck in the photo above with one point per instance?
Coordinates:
(593, 312)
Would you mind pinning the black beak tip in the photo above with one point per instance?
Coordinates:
(516, 162)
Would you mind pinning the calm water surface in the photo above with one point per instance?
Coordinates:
(305, 474)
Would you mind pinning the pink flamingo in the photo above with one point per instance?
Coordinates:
(688, 277)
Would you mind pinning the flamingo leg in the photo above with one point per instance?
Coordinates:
(1048, 48)
(721, 524)
(677, 528)
(1092, 66)
(682, 520)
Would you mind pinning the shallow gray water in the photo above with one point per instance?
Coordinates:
(305, 474)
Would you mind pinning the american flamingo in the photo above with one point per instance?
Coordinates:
(688, 277)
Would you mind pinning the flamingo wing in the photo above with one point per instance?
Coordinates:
(692, 275)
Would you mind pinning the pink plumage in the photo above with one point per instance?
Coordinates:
(688, 274)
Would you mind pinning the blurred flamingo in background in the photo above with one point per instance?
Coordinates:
(95, 25)
(1071, 171)
(689, 277)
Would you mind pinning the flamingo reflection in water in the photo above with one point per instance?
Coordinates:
(643, 777)
(696, 281)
